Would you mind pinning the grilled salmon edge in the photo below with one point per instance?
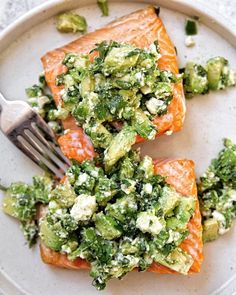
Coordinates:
(125, 29)
(180, 174)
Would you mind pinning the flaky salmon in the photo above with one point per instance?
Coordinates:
(140, 29)
(180, 174)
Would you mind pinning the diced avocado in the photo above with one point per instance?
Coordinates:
(107, 226)
(120, 145)
(99, 135)
(64, 195)
(48, 236)
(143, 126)
(126, 168)
(183, 213)
(122, 208)
(120, 59)
(195, 79)
(169, 199)
(129, 247)
(186, 208)
(86, 86)
(19, 202)
(210, 230)
(146, 167)
(103, 5)
(215, 72)
(42, 185)
(177, 260)
(71, 22)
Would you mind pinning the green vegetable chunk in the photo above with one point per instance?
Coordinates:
(49, 237)
(190, 27)
(210, 230)
(218, 74)
(143, 126)
(107, 226)
(64, 195)
(19, 202)
(69, 22)
(120, 145)
(177, 260)
(103, 5)
(195, 79)
(215, 75)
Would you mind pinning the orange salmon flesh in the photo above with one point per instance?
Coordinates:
(140, 29)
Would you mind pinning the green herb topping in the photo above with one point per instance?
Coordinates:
(215, 75)
(116, 96)
(217, 192)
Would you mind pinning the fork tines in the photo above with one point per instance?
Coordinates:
(36, 140)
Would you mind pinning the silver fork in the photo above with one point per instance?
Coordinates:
(29, 132)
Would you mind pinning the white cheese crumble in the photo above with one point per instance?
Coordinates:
(84, 207)
(147, 188)
(169, 132)
(189, 41)
(148, 222)
(128, 187)
(153, 104)
(83, 177)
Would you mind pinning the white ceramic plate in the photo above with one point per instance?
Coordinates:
(209, 119)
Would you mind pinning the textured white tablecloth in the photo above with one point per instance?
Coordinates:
(12, 9)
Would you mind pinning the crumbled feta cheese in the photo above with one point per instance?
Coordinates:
(147, 188)
(83, 177)
(153, 104)
(189, 41)
(84, 207)
(94, 173)
(148, 222)
(128, 187)
(169, 132)
(218, 216)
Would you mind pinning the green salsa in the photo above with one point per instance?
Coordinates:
(118, 220)
(217, 193)
(116, 96)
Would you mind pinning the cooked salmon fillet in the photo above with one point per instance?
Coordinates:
(141, 29)
(180, 175)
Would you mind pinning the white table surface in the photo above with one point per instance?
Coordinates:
(12, 9)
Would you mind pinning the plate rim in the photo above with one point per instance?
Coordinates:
(208, 16)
